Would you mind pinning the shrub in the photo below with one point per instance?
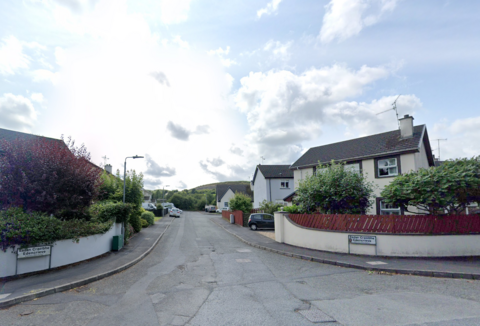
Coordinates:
(129, 231)
(134, 220)
(241, 202)
(159, 211)
(47, 175)
(269, 207)
(294, 209)
(108, 210)
(21, 228)
(144, 223)
(149, 217)
(335, 190)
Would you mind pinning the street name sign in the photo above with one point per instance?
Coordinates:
(362, 239)
(33, 252)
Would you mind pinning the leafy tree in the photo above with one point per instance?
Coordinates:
(241, 202)
(269, 207)
(335, 190)
(448, 188)
(47, 175)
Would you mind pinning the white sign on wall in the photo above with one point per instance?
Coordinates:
(33, 252)
(362, 239)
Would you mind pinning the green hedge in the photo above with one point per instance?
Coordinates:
(28, 229)
(149, 217)
(107, 210)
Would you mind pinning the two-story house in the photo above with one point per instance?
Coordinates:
(271, 183)
(381, 157)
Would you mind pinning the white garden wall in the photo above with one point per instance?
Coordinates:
(397, 245)
(63, 253)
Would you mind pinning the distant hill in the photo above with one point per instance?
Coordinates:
(213, 185)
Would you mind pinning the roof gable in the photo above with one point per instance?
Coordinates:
(11, 135)
(222, 189)
(364, 147)
(273, 172)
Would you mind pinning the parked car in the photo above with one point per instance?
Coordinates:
(174, 212)
(148, 206)
(261, 221)
(219, 210)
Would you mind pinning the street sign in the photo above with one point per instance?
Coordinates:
(362, 239)
(33, 252)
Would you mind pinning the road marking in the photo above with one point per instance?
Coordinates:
(243, 260)
(316, 316)
(244, 250)
(3, 296)
(376, 263)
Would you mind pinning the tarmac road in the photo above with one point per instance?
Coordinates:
(201, 275)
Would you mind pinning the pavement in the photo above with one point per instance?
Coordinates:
(44, 283)
(460, 268)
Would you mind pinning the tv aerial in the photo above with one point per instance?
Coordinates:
(394, 108)
(263, 158)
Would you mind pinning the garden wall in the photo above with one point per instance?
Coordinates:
(237, 214)
(63, 253)
(394, 236)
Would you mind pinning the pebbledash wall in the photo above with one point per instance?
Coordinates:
(63, 253)
(397, 245)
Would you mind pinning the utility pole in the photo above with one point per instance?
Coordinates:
(438, 140)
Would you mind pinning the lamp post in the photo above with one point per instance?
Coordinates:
(124, 179)
(164, 192)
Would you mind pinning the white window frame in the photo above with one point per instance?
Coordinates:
(286, 184)
(389, 210)
(225, 204)
(387, 167)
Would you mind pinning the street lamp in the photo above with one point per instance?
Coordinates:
(164, 192)
(124, 178)
(125, 173)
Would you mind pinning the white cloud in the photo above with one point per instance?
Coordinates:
(37, 97)
(284, 109)
(216, 161)
(346, 18)
(42, 75)
(463, 138)
(12, 57)
(221, 53)
(183, 44)
(174, 11)
(181, 185)
(155, 170)
(181, 133)
(271, 8)
(160, 77)
(16, 112)
(236, 150)
(280, 51)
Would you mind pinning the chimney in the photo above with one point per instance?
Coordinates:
(108, 168)
(406, 127)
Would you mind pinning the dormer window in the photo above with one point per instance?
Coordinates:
(387, 167)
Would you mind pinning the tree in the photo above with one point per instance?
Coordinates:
(47, 175)
(446, 189)
(335, 190)
(241, 202)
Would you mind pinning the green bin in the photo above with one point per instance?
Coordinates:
(117, 242)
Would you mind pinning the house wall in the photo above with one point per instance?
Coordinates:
(226, 198)
(260, 189)
(421, 160)
(300, 174)
(278, 193)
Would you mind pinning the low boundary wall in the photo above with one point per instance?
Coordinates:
(387, 244)
(62, 253)
(238, 215)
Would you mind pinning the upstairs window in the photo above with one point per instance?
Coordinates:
(387, 167)
(284, 184)
(225, 204)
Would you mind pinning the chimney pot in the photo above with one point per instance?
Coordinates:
(406, 127)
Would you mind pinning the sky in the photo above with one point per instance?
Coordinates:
(205, 90)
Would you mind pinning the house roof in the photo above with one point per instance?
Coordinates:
(367, 147)
(289, 198)
(222, 189)
(273, 172)
(10, 135)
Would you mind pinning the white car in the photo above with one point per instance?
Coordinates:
(174, 212)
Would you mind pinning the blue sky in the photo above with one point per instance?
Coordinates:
(204, 88)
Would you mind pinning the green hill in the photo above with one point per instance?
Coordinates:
(213, 185)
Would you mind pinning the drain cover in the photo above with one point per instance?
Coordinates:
(316, 316)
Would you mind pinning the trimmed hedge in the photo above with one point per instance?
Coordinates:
(28, 229)
(107, 210)
(149, 217)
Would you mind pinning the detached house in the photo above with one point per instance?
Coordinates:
(225, 192)
(271, 183)
(381, 157)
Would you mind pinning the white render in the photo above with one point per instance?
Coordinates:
(270, 189)
(63, 253)
(387, 244)
(226, 199)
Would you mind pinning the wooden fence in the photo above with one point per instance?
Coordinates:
(396, 224)
(237, 214)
